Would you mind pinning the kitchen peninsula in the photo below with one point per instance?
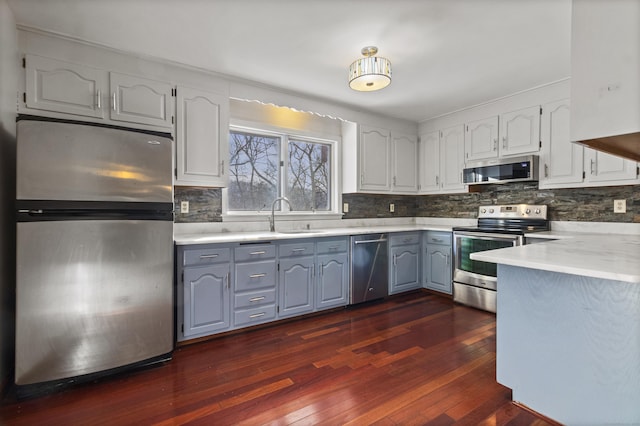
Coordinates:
(568, 327)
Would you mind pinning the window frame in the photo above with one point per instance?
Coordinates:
(285, 135)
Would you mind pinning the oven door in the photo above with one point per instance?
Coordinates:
(475, 272)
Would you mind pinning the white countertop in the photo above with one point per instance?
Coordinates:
(229, 237)
(607, 256)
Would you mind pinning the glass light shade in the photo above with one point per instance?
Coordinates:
(369, 74)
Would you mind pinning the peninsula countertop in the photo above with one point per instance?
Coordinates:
(607, 256)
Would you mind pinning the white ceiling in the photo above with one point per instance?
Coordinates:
(446, 54)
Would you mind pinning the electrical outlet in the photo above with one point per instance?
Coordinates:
(619, 206)
(392, 207)
(345, 207)
(184, 207)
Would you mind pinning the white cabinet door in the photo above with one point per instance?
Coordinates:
(561, 161)
(140, 100)
(430, 162)
(375, 149)
(405, 163)
(481, 139)
(202, 145)
(520, 131)
(451, 158)
(602, 167)
(605, 65)
(58, 86)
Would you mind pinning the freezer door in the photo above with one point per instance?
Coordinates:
(82, 162)
(91, 296)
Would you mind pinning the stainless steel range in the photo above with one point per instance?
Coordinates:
(500, 226)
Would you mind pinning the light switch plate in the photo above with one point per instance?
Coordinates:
(619, 206)
(184, 207)
(392, 207)
(345, 207)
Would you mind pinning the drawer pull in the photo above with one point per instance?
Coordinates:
(408, 240)
(257, 275)
(208, 256)
(297, 250)
(261, 314)
(437, 240)
(255, 253)
(256, 299)
(334, 247)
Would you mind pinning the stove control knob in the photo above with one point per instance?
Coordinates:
(528, 211)
(490, 210)
(483, 210)
(537, 211)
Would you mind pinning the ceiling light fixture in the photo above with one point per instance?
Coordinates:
(371, 72)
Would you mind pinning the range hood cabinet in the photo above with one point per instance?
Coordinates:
(626, 146)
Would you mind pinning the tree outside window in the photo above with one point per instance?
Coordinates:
(264, 166)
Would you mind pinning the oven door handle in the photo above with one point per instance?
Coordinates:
(488, 236)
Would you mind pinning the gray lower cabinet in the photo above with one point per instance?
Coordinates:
(296, 278)
(404, 261)
(437, 261)
(332, 281)
(228, 286)
(203, 306)
(255, 278)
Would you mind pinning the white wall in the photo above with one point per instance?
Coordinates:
(9, 67)
(537, 96)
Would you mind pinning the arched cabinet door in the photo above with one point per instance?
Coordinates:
(206, 299)
(58, 86)
(140, 100)
(202, 143)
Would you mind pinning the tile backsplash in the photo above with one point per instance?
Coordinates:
(572, 204)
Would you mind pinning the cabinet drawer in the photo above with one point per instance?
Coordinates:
(332, 246)
(255, 252)
(205, 256)
(302, 248)
(402, 239)
(254, 298)
(255, 315)
(255, 275)
(436, 237)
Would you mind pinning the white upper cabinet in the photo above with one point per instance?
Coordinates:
(442, 161)
(605, 68)
(405, 163)
(481, 139)
(451, 158)
(560, 160)
(520, 132)
(140, 100)
(374, 157)
(62, 88)
(511, 133)
(430, 162)
(607, 168)
(202, 143)
(59, 86)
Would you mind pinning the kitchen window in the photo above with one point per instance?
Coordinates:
(265, 165)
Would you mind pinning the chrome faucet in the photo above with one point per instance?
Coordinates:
(272, 218)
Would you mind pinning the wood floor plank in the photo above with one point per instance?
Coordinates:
(411, 359)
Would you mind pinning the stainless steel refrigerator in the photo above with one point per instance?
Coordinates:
(94, 290)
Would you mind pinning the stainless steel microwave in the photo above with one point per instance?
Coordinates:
(505, 170)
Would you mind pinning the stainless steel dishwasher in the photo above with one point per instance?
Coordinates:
(369, 268)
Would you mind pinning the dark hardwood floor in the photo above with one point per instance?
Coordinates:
(409, 360)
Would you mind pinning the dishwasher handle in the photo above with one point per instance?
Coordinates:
(381, 240)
